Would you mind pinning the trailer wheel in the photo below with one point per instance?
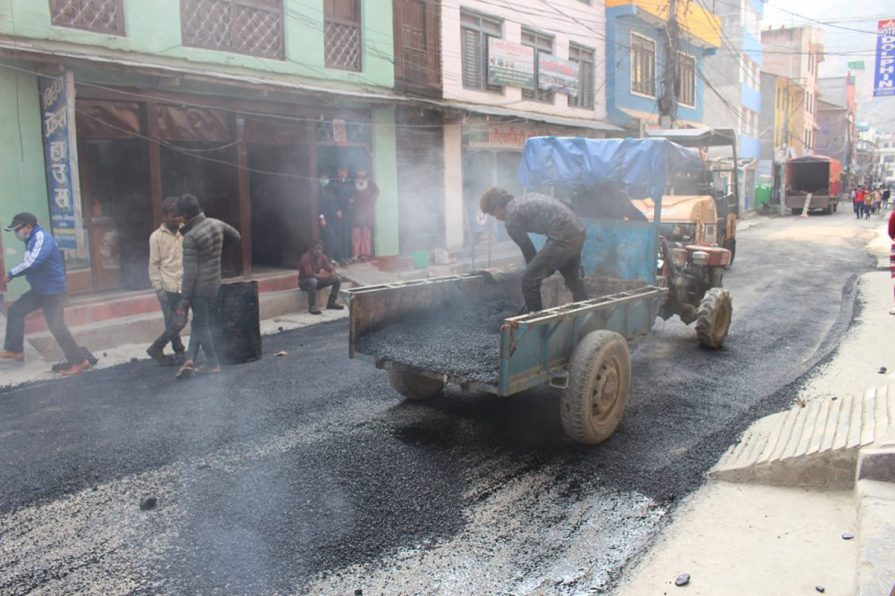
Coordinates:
(713, 318)
(593, 404)
(412, 386)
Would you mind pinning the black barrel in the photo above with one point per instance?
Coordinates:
(237, 325)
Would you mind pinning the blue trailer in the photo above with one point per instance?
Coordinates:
(581, 347)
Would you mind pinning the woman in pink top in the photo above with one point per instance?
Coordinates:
(365, 194)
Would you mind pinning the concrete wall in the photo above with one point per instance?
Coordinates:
(23, 186)
(153, 30)
(565, 20)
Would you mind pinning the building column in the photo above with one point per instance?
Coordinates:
(385, 174)
(453, 186)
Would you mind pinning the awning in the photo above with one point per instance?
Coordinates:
(653, 116)
(534, 116)
(697, 137)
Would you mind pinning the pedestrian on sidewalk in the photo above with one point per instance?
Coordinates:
(886, 194)
(859, 202)
(166, 277)
(42, 267)
(892, 252)
(315, 272)
(868, 203)
(365, 194)
(203, 243)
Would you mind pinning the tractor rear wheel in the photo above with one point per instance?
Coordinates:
(713, 318)
(413, 386)
(593, 404)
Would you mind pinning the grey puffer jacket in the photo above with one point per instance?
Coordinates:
(541, 214)
(203, 241)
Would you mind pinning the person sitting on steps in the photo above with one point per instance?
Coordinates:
(315, 271)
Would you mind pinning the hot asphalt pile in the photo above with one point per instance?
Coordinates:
(459, 338)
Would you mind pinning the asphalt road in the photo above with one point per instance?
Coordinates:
(307, 474)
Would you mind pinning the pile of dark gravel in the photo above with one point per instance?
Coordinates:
(460, 338)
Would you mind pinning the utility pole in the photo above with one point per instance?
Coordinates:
(667, 103)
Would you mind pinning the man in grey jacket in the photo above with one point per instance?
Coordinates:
(203, 242)
(540, 214)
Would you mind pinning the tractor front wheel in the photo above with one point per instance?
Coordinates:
(713, 318)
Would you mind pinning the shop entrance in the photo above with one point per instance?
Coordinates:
(117, 212)
(283, 218)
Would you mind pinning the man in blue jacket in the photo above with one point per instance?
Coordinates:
(42, 267)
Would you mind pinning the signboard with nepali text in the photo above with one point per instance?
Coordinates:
(510, 64)
(884, 73)
(557, 75)
(57, 105)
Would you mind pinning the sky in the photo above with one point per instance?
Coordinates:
(849, 28)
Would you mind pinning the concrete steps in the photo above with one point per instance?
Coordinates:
(812, 446)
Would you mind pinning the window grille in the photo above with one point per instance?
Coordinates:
(343, 44)
(253, 27)
(686, 80)
(99, 16)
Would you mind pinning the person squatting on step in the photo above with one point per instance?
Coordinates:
(42, 267)
(166, 277)
(540, 214)
(315, 272)
(203, 243)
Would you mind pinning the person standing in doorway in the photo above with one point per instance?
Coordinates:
(203, 243)
(365, 195)
(42, 267)
(326, 213)
(166, 277)
(343, 195)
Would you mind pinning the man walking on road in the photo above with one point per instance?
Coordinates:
(203, 242)
(166, 276)
(316, 272)
(42, 267)
(540, 214)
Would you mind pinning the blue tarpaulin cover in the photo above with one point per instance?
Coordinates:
(641, 167)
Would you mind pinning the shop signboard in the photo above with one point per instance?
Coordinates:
(884, 73)
(510, 64)
(57, 103)
(557, 75)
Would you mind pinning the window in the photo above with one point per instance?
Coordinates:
(584, 58)
(475, 30)
(343, 47)
(888, 158)
(99, 16)
(686, 80)
(541, 44)
(253, 27)
(643, 65)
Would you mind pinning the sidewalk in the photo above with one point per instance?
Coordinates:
(734, 538)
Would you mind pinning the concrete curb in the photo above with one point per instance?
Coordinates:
(875, 496)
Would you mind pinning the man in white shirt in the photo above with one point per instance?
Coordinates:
(166, 276)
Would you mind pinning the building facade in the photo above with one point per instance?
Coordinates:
(117, 104)
(837, 133)
(637, 58)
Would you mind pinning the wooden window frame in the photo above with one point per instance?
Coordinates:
(119, 29)
(681, 90)
(234, 4)
(481, 28)
(636, 66)
(586, 59)
(360, 36)
(539, 42)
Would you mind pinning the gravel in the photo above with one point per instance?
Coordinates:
(456, 339)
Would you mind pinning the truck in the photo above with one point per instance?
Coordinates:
(580, 347)
(817, 175)
(705, 205)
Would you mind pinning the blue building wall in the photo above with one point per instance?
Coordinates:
(621, 21)
(752, 47)
(750, 147)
